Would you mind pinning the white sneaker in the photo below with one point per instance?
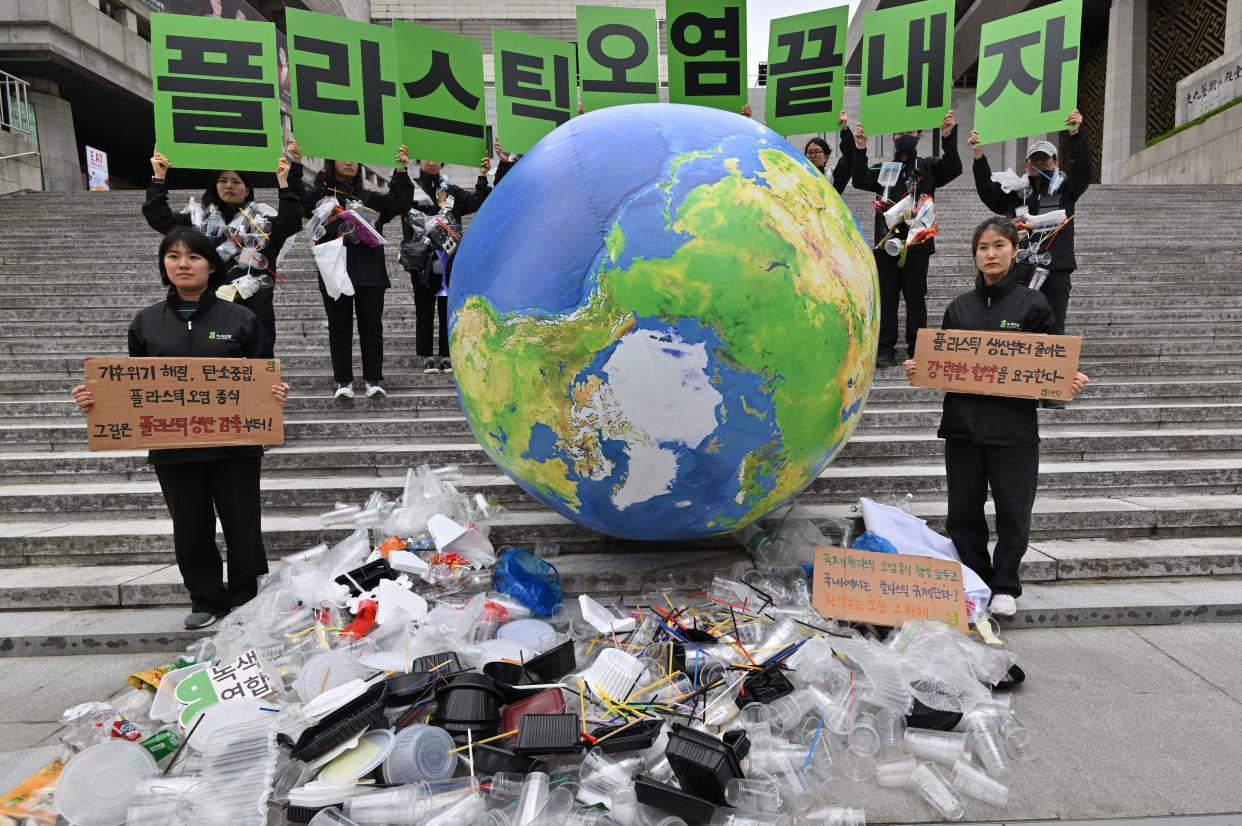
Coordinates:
(344, 391)
(1003, 605)
(374, 390)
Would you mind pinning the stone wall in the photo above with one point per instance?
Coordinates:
(1203, 154)
(18, 173)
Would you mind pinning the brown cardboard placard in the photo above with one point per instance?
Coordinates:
(888, 589)
(159, 403)
(995, 363)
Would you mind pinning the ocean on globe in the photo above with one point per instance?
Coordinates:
(663, 322)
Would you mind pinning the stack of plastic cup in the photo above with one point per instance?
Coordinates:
(864, 737)
(420, 753)
(932, 786)
(836, 816)
(891, 726)
(1020, 742)
(754, 795)
(602, 775)
(940, 746)
(987, 744)
(534, 796)
(398, 805)
(469, 809)
(624, 809)
(973, 782)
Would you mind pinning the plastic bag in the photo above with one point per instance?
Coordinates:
(330, 259)
(531, 581)
(868, 541)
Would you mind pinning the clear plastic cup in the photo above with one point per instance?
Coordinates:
(786, 712)
(606, 774)
(835, 816)
(624, 809)
(858, 767)
(398, 805)
(331, 817)
(505, 787)
(895, 772)
(754, 795)
(864, 737)
(560, 803)
(467, 810)
(939, 746)
(972, 781)
(1020, 742)
(932, 786)
(891, 726)
(987, 743)
(534, 797)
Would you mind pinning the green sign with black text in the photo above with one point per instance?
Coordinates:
(806, 80)
(907, 67)
(441, 94)
(617, 50)
(707, 53)
(536, 87)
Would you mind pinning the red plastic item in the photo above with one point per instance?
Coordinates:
(364, 619)
(551, 701)
(392, 543)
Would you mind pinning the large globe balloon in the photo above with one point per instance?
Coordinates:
(663, 322)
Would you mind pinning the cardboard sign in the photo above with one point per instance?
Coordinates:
(96, 170)
(536, 87)
(707, 53)
(907, 67)
(344, 88)
(991, 363)
(1028, 72)
(214, 85)
(617, 56)
(441, 80)
(242, 679)
(157, 403)
(888, 589)
(806, 80)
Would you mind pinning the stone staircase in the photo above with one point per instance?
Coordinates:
(1139, 518)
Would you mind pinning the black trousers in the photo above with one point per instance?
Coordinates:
(261, 305)
(369, 304)
(198, 492)
(909, 282)
(427, 307)
(1056, 288)
(1013, 475)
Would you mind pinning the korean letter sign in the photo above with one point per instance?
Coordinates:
(888, 589)
(158, 403)
(991, 363)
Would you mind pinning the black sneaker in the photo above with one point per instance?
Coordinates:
(446, 365)
(429, 366)
(886, 359)
(199, 619)
(1052, 404)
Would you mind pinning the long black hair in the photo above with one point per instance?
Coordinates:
(327, 177)
(1005, 227)
(212, 198)
(198, 244)
(822, 144)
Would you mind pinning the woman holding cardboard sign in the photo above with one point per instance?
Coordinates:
(993, 441)
(201, 483)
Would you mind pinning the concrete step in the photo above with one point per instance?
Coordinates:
(1058, 605)
(66, 541)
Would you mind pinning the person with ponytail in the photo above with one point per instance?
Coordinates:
(992, 442)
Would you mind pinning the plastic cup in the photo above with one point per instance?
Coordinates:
(467, 810)
(1020, 742)
(393, 806)
(420, 753)
(972, 782)
(331, 817)
(534, 797)
(987, 743)
(505, 787)
(864, 738)
(939, 746)
(891, 726)
(858, 767)
(624, 809)
(604, 774)
(837, 816)
(932, 786)
(786, 712)
(614, 673)
(753, 795)
(97, 784)
(895, 772)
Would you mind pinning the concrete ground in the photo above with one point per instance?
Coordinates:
(1135, 722)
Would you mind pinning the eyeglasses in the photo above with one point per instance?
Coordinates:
(811, 153)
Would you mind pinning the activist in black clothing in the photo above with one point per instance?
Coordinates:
(427, 266)
(992, 441)
(908, 279)
(365, 266)
(200, 484)
(818, 152)
(1049, 189)
(229, 192)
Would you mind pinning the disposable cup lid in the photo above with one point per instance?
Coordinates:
(421, 753)
(326, 671)
(527, 632)
(501, 649)
(614, 672)
(228, 713)
(97, 784)
(373, 749)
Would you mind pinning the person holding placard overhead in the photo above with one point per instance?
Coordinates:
(904, 275)
(249, 236)
(818, 152)
(993, 441)
(342, 208)
(202, 483)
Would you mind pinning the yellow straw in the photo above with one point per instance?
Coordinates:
(481, 742)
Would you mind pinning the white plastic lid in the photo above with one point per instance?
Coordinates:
(373, 748)
(527, 632)
(326, 671)
(97, 784)
(501, 649)
(227, 713)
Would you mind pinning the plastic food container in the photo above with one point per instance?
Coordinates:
(97, 784)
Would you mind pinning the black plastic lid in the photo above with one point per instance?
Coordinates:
(554, 663)
(490, 759)
(690, 808)
(925, 717)
(703, 763)
(407, 689)
(1015, 676)
(435, 662)
(738, 742)
(355, 717)
(304, 814)
(638, 737)
(549, 734)
(764, 687)
(469, 703)
(367, 577)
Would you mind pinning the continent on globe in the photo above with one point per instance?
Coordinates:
(664, 322)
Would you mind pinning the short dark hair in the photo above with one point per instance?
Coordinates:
(212, 198)
(821, 143)
(196, 243)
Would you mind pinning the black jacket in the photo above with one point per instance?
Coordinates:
(285, 225)
(218, 329)
(465, 202)
(364, 264)
(1077, 179)
(840, 175)
(995, 420)
(924, 175)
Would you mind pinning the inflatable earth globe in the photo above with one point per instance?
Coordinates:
(663, 322)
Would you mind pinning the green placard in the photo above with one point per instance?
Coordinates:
(707, 53)
(617, 56)
(1028, 72)
(344, 88)
(806, 80)
(907, 67)
(215, 92)
(442, 102)
(536, 87)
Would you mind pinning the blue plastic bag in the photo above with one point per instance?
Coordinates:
(534, 583)
(868, 541)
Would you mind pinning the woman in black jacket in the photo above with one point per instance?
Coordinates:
(342, 181)
(993, 441)
(818, 152)
(200, 484)
(229, 193)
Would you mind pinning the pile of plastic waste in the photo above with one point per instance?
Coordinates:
(411, 674)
